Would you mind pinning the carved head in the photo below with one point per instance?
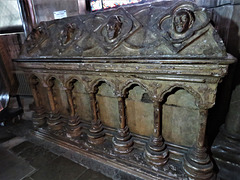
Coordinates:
(36, 38)
(67, 33)
(182, 20)
(114, 26)
(35, 34)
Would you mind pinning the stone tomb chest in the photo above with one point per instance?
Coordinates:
(129, 88)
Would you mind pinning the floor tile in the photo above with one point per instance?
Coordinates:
(93, 175)
(12, 142)
(21, 147)
(59, 169)
(13, 167)
(37, 156)
(5, 137)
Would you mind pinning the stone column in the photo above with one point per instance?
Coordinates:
(54, 120)
(73, 128)
(39, 112)
(156, 152)
(96, 134)
(197, 163)
(122, 142)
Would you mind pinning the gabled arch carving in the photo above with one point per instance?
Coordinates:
(94, 86)
(125, 89)
(32, 76)
(169, 89)
(50, 78)
(71, 80)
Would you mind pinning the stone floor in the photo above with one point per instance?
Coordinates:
(22, 159)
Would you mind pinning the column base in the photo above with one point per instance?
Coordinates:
(39, 117)
(54, 122)
(96, 134)
(73, 128)
(197, 164)
(156, 152)
(122, 142)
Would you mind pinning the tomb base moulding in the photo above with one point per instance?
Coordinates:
(157, 69)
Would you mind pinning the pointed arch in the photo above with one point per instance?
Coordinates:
(74, 79)
(139, 107)
(34, 76)
(131, 84)
(51, 78)
(170, 89)
(105, 93)
(98, 82)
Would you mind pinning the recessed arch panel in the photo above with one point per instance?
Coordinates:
(139, 110)
(180, 117)
(108, 105)
(81, 101)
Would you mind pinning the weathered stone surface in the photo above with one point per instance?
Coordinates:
(108, 110)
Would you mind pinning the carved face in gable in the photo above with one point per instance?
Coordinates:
(36, 38)
(68, 33)
(182, 21)
(113, 27)
(35, 35)
(183, 25)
